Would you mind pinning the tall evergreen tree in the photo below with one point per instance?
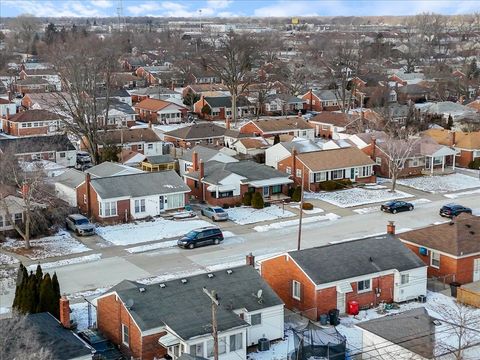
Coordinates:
(39, 273)
(22, 276)
(30, 295)
(56, 291)
(46, 296)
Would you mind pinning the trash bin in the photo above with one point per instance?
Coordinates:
(333, 315)
(453, 288)
(323, 319)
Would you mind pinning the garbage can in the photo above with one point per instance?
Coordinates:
(323, 319)
(453, 288)
(333, 315)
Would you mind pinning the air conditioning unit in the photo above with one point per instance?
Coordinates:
(423, 251)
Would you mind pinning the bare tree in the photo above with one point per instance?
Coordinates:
(232, 63)
(19, 340)
(24, 27)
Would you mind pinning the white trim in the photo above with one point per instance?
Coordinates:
(439, 251)
(295, 282)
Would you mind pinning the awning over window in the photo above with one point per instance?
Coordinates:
(168, 340)
(344, 288)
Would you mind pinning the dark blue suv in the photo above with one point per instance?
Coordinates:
(452, 210)
(201, 237)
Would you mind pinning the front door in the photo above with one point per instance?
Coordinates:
(266, 191)
(476, 269)
(341, 302)
(352, 174)
(161, 203)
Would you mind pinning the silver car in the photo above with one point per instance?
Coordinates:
(79, 224)
(215, 213)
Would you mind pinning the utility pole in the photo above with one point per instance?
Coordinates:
(213, 297)
(301, 212)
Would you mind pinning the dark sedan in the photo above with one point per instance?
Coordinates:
(396, 206)
(452, 210)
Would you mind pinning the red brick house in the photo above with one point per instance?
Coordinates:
(268, 128)
(467, 144)
(220, 107)
(369, 271)
(335, 164)
(324, 100)
(450, 250)
(328, 123)
(33, 122)
(159, 111)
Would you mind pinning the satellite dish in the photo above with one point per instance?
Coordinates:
(129, 303)
(259, 293)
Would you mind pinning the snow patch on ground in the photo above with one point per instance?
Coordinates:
(79, 315)
(246, 215)
(462, 194)
(135, 233)
(60, 244)
(367, 210)
(7, 259)
(315, 210)
(76, 260)
(441, 183)
(308, 220)
(4, 310)
(357, 196)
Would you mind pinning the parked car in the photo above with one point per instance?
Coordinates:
(452, 210)
(396, 206)
(83, 157)
(201, 237)
(79, 224)
(215, 213)
(104, 349)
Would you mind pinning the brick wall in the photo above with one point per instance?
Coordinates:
(366, 299)
(250, 128)
(15, 129)
(309, 97)
(464, 159)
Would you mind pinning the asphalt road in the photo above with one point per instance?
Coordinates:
(111, 270)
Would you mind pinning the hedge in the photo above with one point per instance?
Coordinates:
(331, 185)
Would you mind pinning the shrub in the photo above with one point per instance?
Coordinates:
(307, 206)
(238, 204)
(331, 185)
(297, 194)
(475, 164)
(247, 199)
(257, 201)
(290, 192)
(225, 206)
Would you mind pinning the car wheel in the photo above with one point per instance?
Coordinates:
(216, 241)
(213, 218)
(394, 211)
(191, 245)
(77, 232)
(410, 208)
(202, 213)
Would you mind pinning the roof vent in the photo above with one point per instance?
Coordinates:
(468, 226)
(451, 223)
(370, 259)
(210, 275)
(162, 285)
(142, 289)
(472, 232)
(184, 281)
(436, 322)
(229, 271)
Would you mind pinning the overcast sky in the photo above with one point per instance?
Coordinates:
(208, 8)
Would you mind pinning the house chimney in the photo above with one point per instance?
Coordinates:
(150, 124)
(294, 162)
(65, 312)
(373, 143)
(453, 138)
(195, 161)
(87, 192)
(250, 260)
(227, 122)
(391, 228)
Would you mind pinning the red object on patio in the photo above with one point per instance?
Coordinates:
(353, 307)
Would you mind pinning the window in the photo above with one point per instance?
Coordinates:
(363, 286)
(435, 260)
(108, 208)
(366, 171)
(125, 335)
(337, 174)
(224, 194)
(256, 319)
(84, 198)
(296, 290)
(437, 160)
(405, 279)
(1, 222)
(195, 184)
(321, 176)
(222, 346)
(304, 133)
(18, 217)
(149, 146)
(236, 342)
(414, 162)
(276, 189)
(197, 349)
(313, 102)
(378, 160)
(140, 205)
(299, 173)
(140, 147)
(288, 170)
(62, 155)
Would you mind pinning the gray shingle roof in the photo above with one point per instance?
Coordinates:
(187, 310)
(136, 185)
(225, 101)
(197, 131)
(70, 178)
(108, 168)
(33, 144)
(62, 343)
(330, 263)
(160, 159)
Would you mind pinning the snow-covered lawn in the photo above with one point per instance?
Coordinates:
(135, 233)
(462, 194)
(357, 196)
(308, 220)
(246, 215)
(75, 260)
(315, 210)
(7, 259)
(441, 184)
(51, 246)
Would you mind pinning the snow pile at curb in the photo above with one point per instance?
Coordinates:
(282, 224)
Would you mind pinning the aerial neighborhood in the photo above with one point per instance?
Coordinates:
(226, 180)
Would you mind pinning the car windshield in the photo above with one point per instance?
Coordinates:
(219, 210)
(82, 222)
(390, 203)
(191, 234)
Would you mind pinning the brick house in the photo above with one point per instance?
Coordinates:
(33, 122)
(159, 111)
(369, 271)
(426, 156)
(328, 123)
(467, 144)
(204, 89)
(268, 128)
(335, 164)
(185, 162)
(173, 318)
(220, 107)
(123, 198)
(33, 85)
(450, 250)
(219, 183)
(324, 100)
(202, 133)
(48, 75)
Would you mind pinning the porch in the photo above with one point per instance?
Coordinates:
(440, 162)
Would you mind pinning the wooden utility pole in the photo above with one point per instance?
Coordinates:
(213, 297)
(301, 212)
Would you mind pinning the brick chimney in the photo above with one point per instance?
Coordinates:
(391, 228)
(65, 312)
(227, 122)
(294, 162)
(88, 179)
(150, 124)
(250, 260)
(195, 161)
(373, 143)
